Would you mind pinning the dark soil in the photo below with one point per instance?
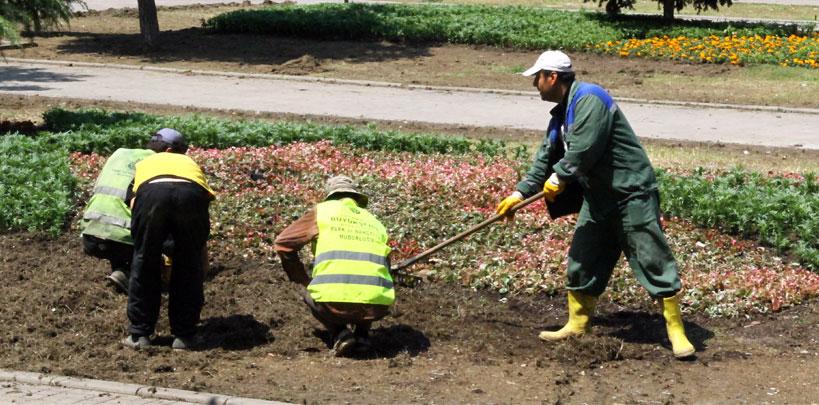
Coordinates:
(443, 343)
(25, 127)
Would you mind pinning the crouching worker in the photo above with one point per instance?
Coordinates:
(171, 200)
(351, 283)
(106, 221)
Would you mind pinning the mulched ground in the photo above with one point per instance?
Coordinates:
(442, 344)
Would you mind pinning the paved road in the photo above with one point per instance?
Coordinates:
(19, 387)
(373, 101)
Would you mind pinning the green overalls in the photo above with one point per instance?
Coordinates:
(589, 141)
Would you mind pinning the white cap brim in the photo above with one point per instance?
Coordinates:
(531, 71)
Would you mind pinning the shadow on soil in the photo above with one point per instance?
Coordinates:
(387, 342)
(196, 44)
(234, 332)
(625, 335)
(646, 328)
(17, 127)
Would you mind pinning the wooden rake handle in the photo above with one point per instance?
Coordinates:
(470, 231)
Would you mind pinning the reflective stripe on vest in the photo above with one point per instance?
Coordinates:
(352, 279)
(345, 255)
(107, 219)
(118, 171)
(351, 252)
(112, 191)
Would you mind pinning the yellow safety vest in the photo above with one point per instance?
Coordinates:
(168, 164)
(351, 252)
(107, 216)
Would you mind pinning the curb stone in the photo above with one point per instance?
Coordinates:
(20, 45)
(371, 83)
(143, 391)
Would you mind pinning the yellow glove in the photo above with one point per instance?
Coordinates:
(552, 187)
(508, 203)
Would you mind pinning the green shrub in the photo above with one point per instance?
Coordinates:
(36, 185)
(60, 120)
(779, 212)
(94, 130)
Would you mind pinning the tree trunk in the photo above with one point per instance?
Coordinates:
(148, 22)
(668, 10)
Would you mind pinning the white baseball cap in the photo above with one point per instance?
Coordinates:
(555, 61)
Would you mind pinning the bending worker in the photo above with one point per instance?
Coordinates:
(351, 282)
(589, 141)
(106, 222)
(171, 199)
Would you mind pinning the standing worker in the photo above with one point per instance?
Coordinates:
(106, 222)
(351, 282)
(171, 199)
(589, 141)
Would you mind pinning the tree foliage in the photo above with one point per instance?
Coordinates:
(33, 15)
(668, 6)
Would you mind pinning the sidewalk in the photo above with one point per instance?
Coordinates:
(20, 387)
(393, 102)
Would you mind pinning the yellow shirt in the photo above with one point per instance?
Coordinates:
(168, 164)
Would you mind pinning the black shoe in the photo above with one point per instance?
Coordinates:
(119, 280)
(363, 344)
(362, 340)
(344, 343)
(141, 342)
(186, 342)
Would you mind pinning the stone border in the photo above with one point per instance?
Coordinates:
(370, 83)
(143, 391)
(4, 45)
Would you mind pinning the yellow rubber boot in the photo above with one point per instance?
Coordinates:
(165, 272)
(581, 307)
(676, 331)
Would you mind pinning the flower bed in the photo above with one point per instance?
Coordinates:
(425, 198)
(793, 50)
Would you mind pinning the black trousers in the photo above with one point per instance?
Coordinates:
(162, 210)
(118, 253)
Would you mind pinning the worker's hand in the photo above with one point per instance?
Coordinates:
(508, 203)
(553, 187)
